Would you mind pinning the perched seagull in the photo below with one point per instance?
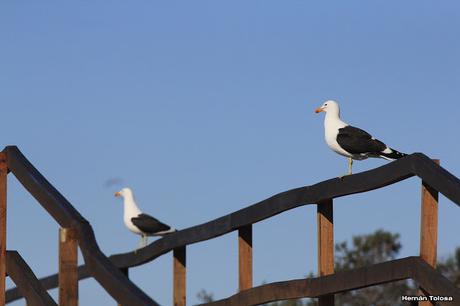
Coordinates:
(138, 222)
(351, 141)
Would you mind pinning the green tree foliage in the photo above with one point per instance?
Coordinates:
(450, 267)
(205, 297)
(367, 250)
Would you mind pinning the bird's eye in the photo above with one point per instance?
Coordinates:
(325, 104)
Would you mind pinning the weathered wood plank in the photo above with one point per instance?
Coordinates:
(325, 225)
(429, 228)
(3, 186)
(429, 224)
(245, 257)
(179, 277)
(68, 263)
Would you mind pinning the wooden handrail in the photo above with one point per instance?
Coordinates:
(99, 266)
(406, 268)
(416, 164)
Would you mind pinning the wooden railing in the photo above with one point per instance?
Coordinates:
(112, 272)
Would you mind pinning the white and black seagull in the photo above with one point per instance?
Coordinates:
(138, 222)
(351, 141)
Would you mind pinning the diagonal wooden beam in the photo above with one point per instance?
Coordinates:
(27, 282)
(98, 265)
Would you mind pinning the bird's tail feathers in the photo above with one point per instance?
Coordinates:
(162, 233)
(392, 154)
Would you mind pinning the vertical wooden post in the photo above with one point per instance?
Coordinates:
(125, 271)
(3, 178)
(68, 261)
(429, 227)
(245, 257)
(179, 277)
(325, 223)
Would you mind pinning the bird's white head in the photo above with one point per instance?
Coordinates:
(329, 106)
(125, 192)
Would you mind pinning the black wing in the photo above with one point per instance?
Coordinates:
(356, 141)
(149, 224)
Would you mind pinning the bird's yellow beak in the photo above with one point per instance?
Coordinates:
(117, 194)
(319, 110)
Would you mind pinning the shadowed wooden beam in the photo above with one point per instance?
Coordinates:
(26, 281)
(125, 272)
(3, 179)
(245, 257)
(429, 228)
(325, 224)
(179, 277)
(68, 262)
(406, 268)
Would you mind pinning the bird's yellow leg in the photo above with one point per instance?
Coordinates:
(350, 165)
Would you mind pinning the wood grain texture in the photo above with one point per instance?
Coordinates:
(245, 257)
(27, 282)
(429, 223)
(179, 276)
(325, 225)
(68, 262)
(395, 270)
(429, 228)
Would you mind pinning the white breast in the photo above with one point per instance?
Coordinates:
(130, 225)
(130, 211)
(331, 129)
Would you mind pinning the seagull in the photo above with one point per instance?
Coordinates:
(138, 222)
(351, 141)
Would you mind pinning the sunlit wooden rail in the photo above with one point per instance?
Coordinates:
(112, 272)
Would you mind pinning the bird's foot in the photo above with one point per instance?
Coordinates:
(342, 176)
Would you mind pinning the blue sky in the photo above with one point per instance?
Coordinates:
(206, 107)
